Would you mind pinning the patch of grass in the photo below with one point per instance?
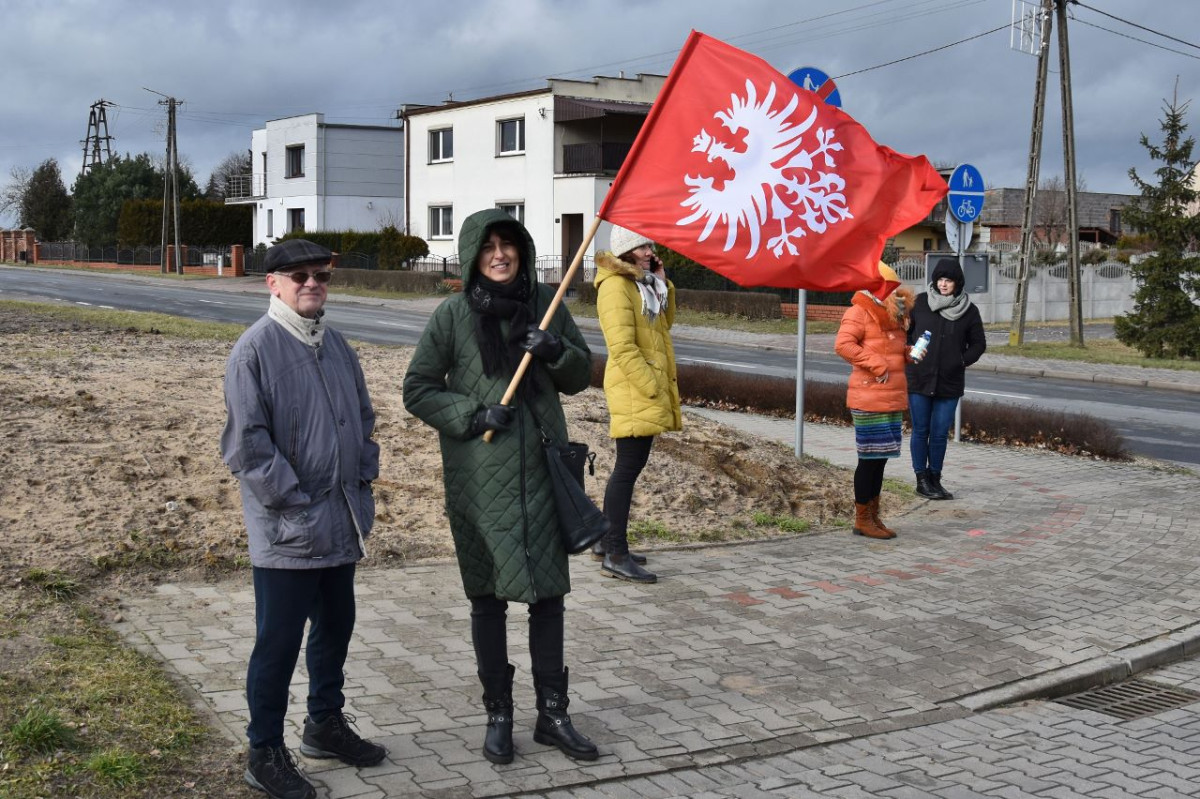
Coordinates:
(82, 715)
(55, 583)
(356, 291)
(116, 767)
(38, 732)
(1094, 351)
(647, 531)
(131, 321)
(789, 524)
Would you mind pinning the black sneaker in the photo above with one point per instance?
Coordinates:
(334, 737)
(273, 770)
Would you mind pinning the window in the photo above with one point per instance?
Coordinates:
(927, 245)
(1114, 221)
(441, 221)
(511, 133)
(270, 223)
(515, 210)
(295, 219)
(294, 168)
(441, 145)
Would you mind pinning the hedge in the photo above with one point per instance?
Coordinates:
(201, 223)
(389, 247)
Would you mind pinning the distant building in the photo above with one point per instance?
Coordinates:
(547, 157)
(312, 175)
(1100, 220)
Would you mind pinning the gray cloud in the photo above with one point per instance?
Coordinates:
(238, 64)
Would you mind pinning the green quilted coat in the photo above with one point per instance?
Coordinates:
(498, 495)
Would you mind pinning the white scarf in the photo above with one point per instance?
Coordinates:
(308, 331)
(654, 294)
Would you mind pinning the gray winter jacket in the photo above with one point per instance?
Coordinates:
(298, 438)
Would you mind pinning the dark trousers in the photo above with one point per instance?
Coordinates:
(632, 454)
(489, 634)
(284, 599)
(868, 479)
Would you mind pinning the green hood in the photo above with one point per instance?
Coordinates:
(473, 233)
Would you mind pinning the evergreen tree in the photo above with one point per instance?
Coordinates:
(45, 205)
(1165, 322)
(102, 190)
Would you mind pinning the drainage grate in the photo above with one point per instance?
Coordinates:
(1131, 699)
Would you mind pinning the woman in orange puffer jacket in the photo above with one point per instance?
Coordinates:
(872, 339)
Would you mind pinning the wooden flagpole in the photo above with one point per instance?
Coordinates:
(522, 367)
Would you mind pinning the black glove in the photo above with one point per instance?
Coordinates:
(491, 417)
(542, 344)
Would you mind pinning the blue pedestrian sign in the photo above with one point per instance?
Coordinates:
(966, 193)
(817, 81)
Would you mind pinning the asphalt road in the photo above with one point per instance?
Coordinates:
(1156, 423)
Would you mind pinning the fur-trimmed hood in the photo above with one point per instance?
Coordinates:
(892, 312)
(609, 265)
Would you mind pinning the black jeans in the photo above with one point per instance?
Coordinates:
(868, 479)
(632, 454)
(284, 599)
(489, 634)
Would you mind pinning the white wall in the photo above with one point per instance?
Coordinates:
(478, 178)
(353, 176)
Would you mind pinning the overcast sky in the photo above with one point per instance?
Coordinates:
(238, 63)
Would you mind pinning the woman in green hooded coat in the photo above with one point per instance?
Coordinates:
(498, 494)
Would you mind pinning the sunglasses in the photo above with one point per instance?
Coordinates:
(300, 278)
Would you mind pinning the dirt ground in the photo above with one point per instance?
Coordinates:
(110, 467)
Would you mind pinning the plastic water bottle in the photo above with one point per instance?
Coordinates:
(918, 350)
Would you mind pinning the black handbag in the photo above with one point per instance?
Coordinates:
(580, 522)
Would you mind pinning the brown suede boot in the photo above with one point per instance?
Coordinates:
(874, 506)
(864, 523)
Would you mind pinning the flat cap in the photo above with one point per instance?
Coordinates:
(296, 252)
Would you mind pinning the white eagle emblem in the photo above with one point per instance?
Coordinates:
(775, 179)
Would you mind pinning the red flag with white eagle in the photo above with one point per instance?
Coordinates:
(745, 172)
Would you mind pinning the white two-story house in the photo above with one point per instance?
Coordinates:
(312, 175)
(546, 156)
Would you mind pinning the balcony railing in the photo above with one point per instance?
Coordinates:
(246, 187)
(594, 156)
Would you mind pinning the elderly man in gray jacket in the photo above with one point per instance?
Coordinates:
(298, 439)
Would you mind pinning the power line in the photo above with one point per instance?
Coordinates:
(927, 52)
(1135, 25)
(1136, 39)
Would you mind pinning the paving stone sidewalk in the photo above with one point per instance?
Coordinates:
(1045, 568)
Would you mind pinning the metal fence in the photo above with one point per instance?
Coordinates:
(211, 256)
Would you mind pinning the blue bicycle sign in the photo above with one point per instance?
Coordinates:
(966, 193)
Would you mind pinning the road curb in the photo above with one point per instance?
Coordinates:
(1104, 670)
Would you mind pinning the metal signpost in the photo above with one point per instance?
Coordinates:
(814, 80)
(964, 205)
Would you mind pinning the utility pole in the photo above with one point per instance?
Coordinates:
(170, 187)
(1068, 132)
(1016, 331)
(95, 140)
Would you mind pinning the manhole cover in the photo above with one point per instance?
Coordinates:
(1131, 699)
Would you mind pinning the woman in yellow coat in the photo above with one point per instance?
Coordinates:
(636, 306)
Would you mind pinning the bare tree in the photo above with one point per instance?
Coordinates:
(13, 194)
(1050, 216)
(233, 165)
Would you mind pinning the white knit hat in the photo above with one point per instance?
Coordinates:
(622, 240)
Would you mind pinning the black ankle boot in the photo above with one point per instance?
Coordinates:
(497, 700)
(925, 486)
(598, 553)
(554, 727)
(936, 479)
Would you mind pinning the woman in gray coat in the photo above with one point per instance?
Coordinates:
(498, 494)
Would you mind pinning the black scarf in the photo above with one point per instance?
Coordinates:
(491, 302)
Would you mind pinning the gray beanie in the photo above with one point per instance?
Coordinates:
(623, 240)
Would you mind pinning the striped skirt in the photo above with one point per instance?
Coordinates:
(878, 435)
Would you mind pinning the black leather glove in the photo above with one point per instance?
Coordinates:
(542, 344)
(491, 417)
